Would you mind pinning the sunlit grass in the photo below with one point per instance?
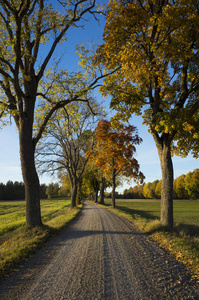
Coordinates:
(183, 241)
(16, 241)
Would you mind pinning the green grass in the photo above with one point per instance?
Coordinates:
(182, 242)
(16, 241)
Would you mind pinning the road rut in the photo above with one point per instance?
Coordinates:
(100, 256)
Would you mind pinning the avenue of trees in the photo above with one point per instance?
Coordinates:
(67, 139)
(148, 63)
(30, 33)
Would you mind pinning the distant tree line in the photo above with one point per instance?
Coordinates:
(185, 187)
(16, 191)
(12, 190)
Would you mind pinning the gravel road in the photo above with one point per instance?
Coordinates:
(100, 256)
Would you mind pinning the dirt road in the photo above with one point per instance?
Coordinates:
(100, 256)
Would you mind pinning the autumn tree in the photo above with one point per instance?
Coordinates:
(103, 184)
(114, 152)
(158, 189)
(65, 189)
(128, 193)
(95, 182)
(191, 181)
(135, 192)
(92, 180)
(179, 188)
(147, 191)
(155, 44)
(150, 191)
(30, 33)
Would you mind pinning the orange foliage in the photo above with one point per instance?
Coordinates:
(115, 149)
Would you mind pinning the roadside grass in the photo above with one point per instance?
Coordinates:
(182, 241)
(18, 242)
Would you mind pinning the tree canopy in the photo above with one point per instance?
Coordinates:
(114, 152)
(155, 46)
(67, 139)
(30, 31)
(155, 43)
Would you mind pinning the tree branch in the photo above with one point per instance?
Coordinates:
(73, 20)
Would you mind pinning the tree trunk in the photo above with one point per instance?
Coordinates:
(79, 193)
(113, 189)
(164, 152)
(73, 195)
(102, 187)
(96, 196)
(30, 177)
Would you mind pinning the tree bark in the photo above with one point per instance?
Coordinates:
(96, 196)
(113, 188)
(73, 195)
(102, 187)
(29, 173)
(164, 152)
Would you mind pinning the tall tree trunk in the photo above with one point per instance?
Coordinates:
(113, 188)
(73, 195)
(164, 151)
(96, 196)
(102, 187)
(93, 196)
(79, 193)
(30, 177)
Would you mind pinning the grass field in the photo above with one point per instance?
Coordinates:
(16, 241)
(182, 242)
(186, 212)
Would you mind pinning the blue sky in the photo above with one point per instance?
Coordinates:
(146, 155)
(146, 152)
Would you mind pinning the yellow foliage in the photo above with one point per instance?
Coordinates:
(156, 46)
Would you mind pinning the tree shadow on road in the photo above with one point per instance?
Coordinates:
(183, 229)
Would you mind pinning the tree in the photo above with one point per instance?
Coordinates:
(65, 189)
(67, 139)
(191, 181)
(52, 190)
(138, 191)
(30, 33)
(153, 187)
(155, 44)
(92, 180)
(114, 152)
(43, 191)
(19, 191)
(12, 190)
(128, 193)
(135, 192)
(2, 191)
(179, 187)
(158, 189)
(102, 189)
(147, 191)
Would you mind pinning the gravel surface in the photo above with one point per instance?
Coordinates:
(100, 256)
